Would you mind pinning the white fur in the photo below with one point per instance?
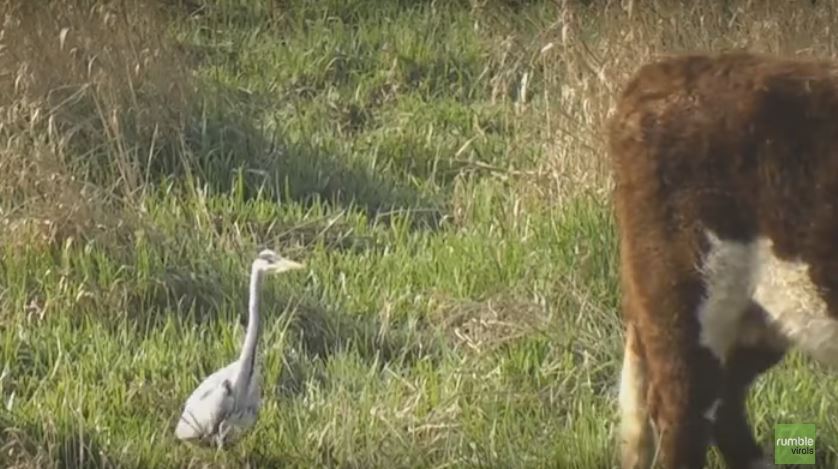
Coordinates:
(796, 308)
(736, 273)
(728, 271)
(634, 431)
(710, 413)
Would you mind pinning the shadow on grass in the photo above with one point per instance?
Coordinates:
(70, 445)
(56, 444)
(317, 330)
(316, 334)
(227, 150)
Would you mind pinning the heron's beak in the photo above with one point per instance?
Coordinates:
(288, 264)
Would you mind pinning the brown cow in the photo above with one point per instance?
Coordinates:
(726, 172)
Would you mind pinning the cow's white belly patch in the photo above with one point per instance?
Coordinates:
(786, 292)
(736, 273)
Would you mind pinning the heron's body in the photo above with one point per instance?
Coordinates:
(213, 416)
(226, 404)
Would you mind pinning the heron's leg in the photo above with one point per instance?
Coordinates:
(221, 434)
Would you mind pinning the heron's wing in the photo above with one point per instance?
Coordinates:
(200, 417)
(206, 406)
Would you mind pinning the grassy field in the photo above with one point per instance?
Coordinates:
(438, 166)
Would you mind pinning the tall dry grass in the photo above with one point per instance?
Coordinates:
(90, 94)
(569, 73)
(98, 104)
(95, 96)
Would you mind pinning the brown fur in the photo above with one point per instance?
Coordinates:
(745, 146)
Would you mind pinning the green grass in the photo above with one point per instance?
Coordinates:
(459, 306)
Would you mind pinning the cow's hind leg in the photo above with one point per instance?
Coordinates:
(635, 432)
(758, 348)
(688, 327)
(682, 376)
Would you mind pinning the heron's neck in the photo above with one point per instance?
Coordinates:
(248, 354)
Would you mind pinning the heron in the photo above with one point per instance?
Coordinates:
(226, 404)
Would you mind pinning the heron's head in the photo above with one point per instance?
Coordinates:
(271, 262)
